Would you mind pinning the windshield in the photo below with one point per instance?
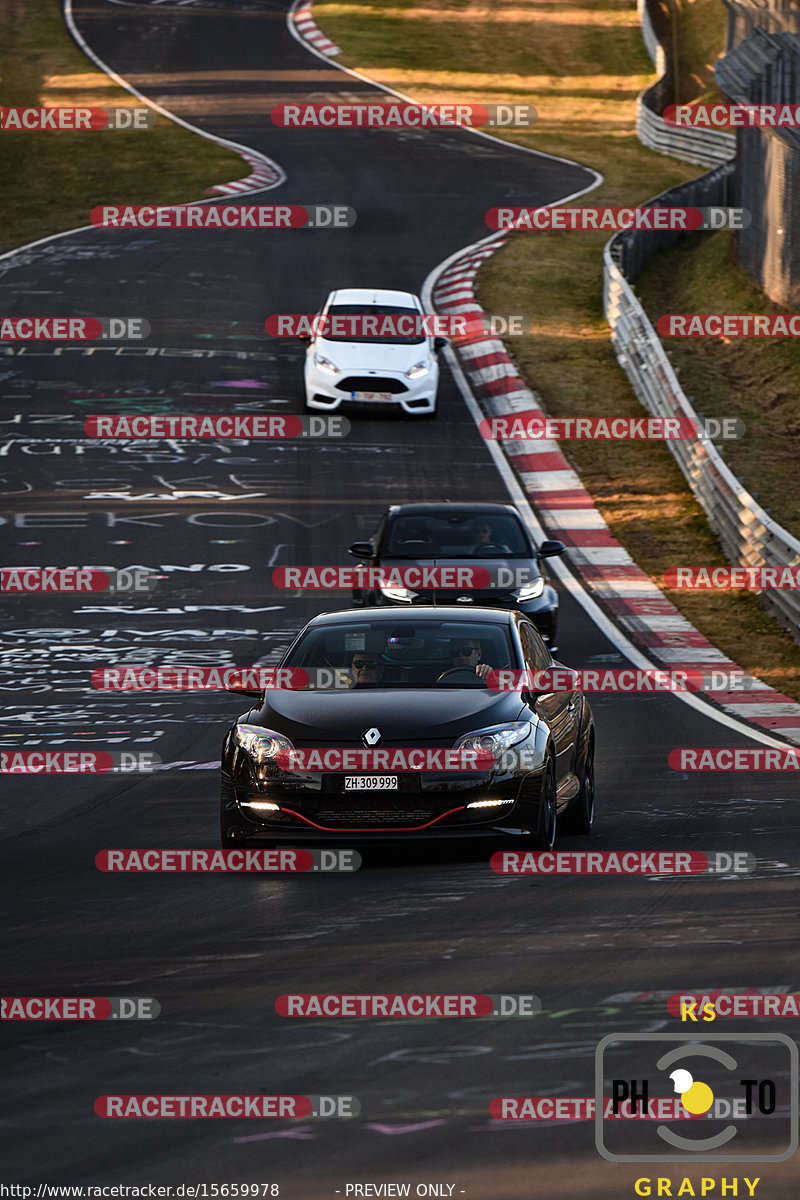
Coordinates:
(408, 655)
(368, 323)
(457, 535)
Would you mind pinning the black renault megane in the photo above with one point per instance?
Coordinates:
(410, 724)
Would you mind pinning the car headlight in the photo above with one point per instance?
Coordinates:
(496, 738)
(325, 364)
(261, 744)
(418, 370)
(529, 591)
(399, 595)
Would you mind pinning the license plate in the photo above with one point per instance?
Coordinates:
(370, 783)
(371, 396)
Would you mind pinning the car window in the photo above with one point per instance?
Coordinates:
(458, 536)
(382, 324)
(410, 655)
(537, 657)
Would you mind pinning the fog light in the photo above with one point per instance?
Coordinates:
(261, 805)
(489, 803)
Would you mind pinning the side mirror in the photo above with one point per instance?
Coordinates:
(304, 337)
(361, 550)
(439, 343)
(243, 691)
(550, 549)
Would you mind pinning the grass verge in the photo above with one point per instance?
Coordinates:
(755, 379)
(50, 180)
(581, 65)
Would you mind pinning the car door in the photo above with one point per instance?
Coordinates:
(559, 709)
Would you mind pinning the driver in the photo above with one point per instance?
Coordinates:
(366, 668)
(484, 536)
(466, 653)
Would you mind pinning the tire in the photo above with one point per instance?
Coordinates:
(579, 817)
(545, 836)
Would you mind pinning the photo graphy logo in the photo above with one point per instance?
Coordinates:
(739, 1089)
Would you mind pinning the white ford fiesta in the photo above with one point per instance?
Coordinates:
(373, 349)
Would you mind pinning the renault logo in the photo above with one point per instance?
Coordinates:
(371, 737)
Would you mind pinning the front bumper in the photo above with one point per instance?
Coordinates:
(326, 393)
(428, 805)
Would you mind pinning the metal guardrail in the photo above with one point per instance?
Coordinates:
(765, 69)
(772, 16)
(706, 147)
(716, 189)
(748, 534)
(652, 44)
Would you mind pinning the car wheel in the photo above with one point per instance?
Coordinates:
(545, 836)
(580, 816)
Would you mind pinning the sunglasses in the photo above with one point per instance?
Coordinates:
(365, 664)
(464, 651)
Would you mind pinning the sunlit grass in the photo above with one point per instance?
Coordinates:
(49, 181)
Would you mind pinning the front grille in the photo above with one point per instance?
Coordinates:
(374, 816)
(479, 596)
(370, 383)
